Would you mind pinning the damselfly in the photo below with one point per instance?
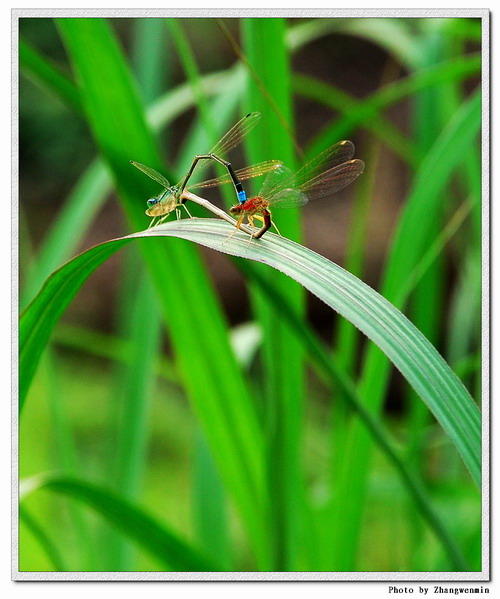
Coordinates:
(170, 198)
(325, 174)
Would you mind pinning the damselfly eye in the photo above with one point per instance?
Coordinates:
(152, 202)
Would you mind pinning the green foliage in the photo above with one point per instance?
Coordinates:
(252, 475)
(155, 537)
(406, 347)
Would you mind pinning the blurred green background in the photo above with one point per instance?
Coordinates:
(122, 399)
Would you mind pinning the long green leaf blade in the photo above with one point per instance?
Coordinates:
(145, 530)
(188, 302)
(359, 112)
(39, 69)
(406, 347)
(269, 90)
(409, 243)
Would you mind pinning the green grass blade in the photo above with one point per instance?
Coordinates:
(139, 319)
(430, 289)
(132, 521)
(210, 513)
(95, 184)
(33, 335)
(41, 71)
(445, 155)
(187, 58)
(451, 70)
(131, 406)
(434, 251)
(405, 346)
(150, 58)
(465, 312)
(269, 91)
(350, 108)
(336, 375)
(109, 347)
(70, 227)
(207, 119)
(188, 302)
(347, 338)
(408, 245)
(209, 499)
(48, 545)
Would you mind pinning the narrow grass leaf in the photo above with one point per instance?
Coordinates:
(408, 245)
(42, 72)
(430, 289)
(388, 328)
(69, 228)
(351, 112)
(269, 90)
(150, 57)
(131, 520)
(369, 108)
(334, 373)
(139, 319)
(394, 35)
(209, 499)
(189, 305)
(110, 347)
(131, 404)
(210, 506)
(48, 545)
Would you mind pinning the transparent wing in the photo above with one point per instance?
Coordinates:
(320, 186)
(243, 174)
(332, 156)
(231, 139)
(288, 198)
(234, 136)
(150, 172)
(275, 181)
(332, 180)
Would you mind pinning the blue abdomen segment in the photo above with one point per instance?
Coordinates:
(242, 197)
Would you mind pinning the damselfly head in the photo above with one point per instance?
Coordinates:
(154, 206)
(235, 209)
(163, 203)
